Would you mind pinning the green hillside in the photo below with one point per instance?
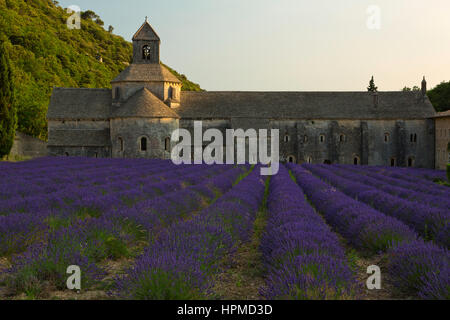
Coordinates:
(44, 53)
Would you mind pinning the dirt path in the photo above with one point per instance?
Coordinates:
(243, 275)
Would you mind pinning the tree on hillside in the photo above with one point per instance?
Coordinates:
(99, 22)
(440, 96)
(8, 116)
(50, 54)
(372, 87)
(415, 88)
(89, 14)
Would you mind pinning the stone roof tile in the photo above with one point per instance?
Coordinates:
(146, 32)
(144, 104)
(304, 105)
(140, 72)
(79, 103)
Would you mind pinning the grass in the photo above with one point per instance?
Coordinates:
(441, 182)
(244, 271)
(15, 158)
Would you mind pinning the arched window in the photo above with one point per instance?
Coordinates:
(66, 154)
(96, 154)
(167, 144)
(291, 159)
(322, 138)
(146, 52)
(309, 160)
(120, 144)
(143, 144)
(287, 138)
(117, 93)
(410, 162)
(171, 93)
(356, 160)
(342, 138)
(393, 162)
(327, 162)
(305, 139)
(387, 137)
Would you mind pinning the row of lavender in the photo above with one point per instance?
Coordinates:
(183, 261)
(70, 176)
(413, 173)
(132, 189)
(38, 216)
(304, 258)
(420, 190)
(77, 232)
(416, 266)
(428, 215)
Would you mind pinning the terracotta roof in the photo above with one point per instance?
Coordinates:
(144, 104)
(141, 72)
(304, 105)
(79, 103)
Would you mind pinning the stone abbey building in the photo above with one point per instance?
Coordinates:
(136, 117)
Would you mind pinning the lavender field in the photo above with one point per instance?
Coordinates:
(147, 229)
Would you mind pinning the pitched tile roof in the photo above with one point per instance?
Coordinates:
(96, 104)
(79, 103)
(146, 72)
(144, 104)
(146, 32)
(304, 105)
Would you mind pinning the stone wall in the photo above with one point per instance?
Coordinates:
(368, 142)
(442, 142)
(371, 142)
(390, 141)
(27, 146)
(127, 135)
(76, 151)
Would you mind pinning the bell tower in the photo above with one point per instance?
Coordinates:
(146, 71)
(146, 45)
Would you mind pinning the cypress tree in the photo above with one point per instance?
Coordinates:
(372, 87)
(8, 112)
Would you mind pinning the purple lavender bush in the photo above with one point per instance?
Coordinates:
(303, 256)
(426, 220)
(182, 262)
(365, 228)
(421, 268)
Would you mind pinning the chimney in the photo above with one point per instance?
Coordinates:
(424, 87)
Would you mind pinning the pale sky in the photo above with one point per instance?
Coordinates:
(292, 45)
